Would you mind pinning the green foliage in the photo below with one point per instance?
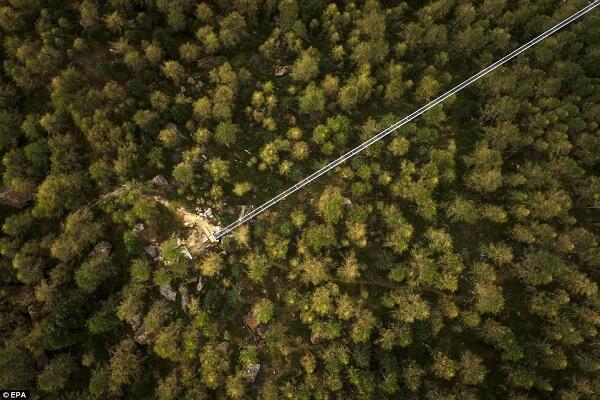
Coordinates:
(104, 320)
(125, 363)
(166, 345)
(202, 108)
(140, 270)
(211, 265)
(306, 67)
(213, 363)
(184, 174)
(472, 370)
(226, 133)
(312, 99)
(485, 175)
(189, 52)
(100, 382)
(427, 88)
(146, 120)
(93, 272)
(258, 266)
(263, 311)
(133, 242)
(154, 53)
(9, 124)
(132, 304)
(357, 90)
(60, 193)
(15, 368)
(63, 326)
(331, 204)
(320, 236)
(28, 263)
(232, 29)
(55, 376)
(218, 169)
(90, 14)
(457, 258)
(79, 233)
(174, 71)
(443, 367)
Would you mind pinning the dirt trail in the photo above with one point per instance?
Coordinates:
(200, 228)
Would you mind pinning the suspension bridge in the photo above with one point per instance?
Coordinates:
(315, 175)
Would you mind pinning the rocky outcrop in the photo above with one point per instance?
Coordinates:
(152, 251)
(185, 299)
(282, 70)
(250, 372)
(161, 182)
(9, 197)
(102, 249)
(167, 292)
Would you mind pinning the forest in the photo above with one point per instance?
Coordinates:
(458, 259)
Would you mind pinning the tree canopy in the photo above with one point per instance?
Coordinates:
(458, 258)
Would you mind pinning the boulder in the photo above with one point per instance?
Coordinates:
(139, 227)
(102, 249)
(261, 330)
(161, 182)
(315, 337)
(185, 299)
(11, 198)
(152, 251)
(172, 127)
(136, 323)
(141, 336)
(250, 372)
(223, 347)
(282, 70)
(167, 292)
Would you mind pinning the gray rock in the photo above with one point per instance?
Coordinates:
(11, 198)
(172, 127)
(167, 292)
(160, 181)
(250, 372)
(141, 336)
(136, 322)
(185, 299)
(152, 251)
(282, 70)
(223, 347)
(102, 249)
(261, 330)
(315, 338)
